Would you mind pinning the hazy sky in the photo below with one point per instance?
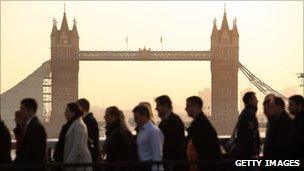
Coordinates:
(271, 45)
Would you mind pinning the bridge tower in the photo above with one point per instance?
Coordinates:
(224, 75)
(64, 71)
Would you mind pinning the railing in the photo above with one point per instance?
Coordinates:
(213, 165)
(51, 144)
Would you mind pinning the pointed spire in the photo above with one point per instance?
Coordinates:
(234, 29)
(74, 29)
(64, 23)
(54, 30)
(214, 30)
(224, 22)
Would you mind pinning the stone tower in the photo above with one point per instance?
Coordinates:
(224, 71)
(64, 71)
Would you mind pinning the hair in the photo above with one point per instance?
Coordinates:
(164, 100)
(84, 104)
(30, 104)
(195, 100)
(278, 101)
(248, 96)
(114, 111)
(297, 99)
(142, 110)
(74, 108)
(150, 110)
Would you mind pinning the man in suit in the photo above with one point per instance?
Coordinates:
(92, 127)
(33, 147)
(173, 129)
(5, 144)
(201, 132)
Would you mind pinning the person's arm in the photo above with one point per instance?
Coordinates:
(156, 144)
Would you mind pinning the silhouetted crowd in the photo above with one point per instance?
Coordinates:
(79, 137)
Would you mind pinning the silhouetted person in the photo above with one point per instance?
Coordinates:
(278, 132)
(149, 140)
(202, 141)
(92, 127)
(296, 108)
(19, 129)
(33, 146)
(119, 138)
(173, 129)
(247, 135)
(5, 144)
(73, 139)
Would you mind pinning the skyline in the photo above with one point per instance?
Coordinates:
(127, 75)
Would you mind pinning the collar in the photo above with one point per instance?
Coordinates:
(30, 119)
(146, 125)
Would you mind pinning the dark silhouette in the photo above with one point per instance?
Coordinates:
(33, 147)
(19, 129)
(201, 133)
(72, 145)
(276, 144)
(296, 108)
(5, 144)
(120, 143)
(247, 133)
(92, 126)
(173, 129)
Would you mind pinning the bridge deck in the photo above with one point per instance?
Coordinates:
(144, 55)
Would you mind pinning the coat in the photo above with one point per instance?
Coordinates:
(297, 137)
(33, 147)
(93, 133)
(175, 142)
(248, 136)
(204, 138)
(277, 138)
(75, 146)
(5, 144)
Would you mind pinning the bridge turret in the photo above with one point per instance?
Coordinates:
(235, 34)
(214, 34)
(74, 35)
(54, 34)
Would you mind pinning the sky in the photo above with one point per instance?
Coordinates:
(271, 45)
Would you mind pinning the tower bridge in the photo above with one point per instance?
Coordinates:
(55, 83)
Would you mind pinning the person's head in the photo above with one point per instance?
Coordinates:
(296, 104)
(28, 107)
(113, 115)
(250, 99)
(194, 105)
(268, 105)
(83, 104)
(141, 115)
(279, 105)
(163, 105)
(150, 109)
(72, 111)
